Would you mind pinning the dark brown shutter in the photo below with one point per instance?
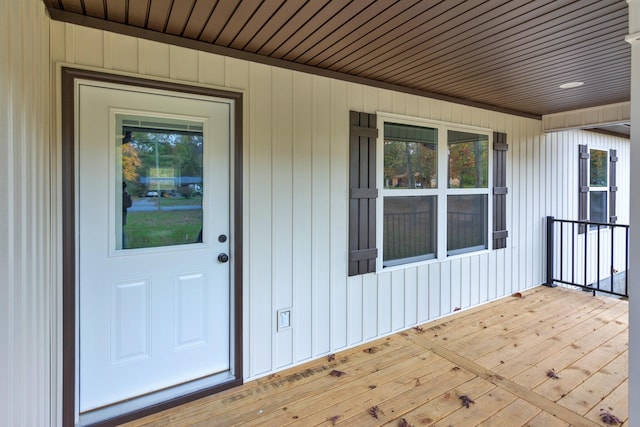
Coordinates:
(500, 190)
(613, 188)
(362, 193)
(583, 186)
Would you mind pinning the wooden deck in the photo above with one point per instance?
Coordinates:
(499, 355)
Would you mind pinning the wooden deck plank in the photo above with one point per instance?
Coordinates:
(434, 409)
(533, 335)
(278, 385)
(463, 323)
(532, 306)
(596, 388)
(538, 400)
(393, 401)
(349, 405)
(368, 363)
(545, 419)
(392, 378)
(535, 372)
(481, 344)
(616, 403)
(578, 371)
(470, 322)
(560, 349)
(517, 413)
(418, 374)
(502, 335)
(485, 407)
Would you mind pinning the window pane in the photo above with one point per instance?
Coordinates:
(161, 187)
(468, 159)
(598, 168)
(466, 223)
(410, 156)
(409, 229)
(598, 206)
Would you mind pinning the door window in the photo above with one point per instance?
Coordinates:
(160, 191)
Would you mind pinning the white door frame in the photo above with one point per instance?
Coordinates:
(69, 81)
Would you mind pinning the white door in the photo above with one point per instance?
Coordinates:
(153, 220)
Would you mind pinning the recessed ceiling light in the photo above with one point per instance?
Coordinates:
(570, 85)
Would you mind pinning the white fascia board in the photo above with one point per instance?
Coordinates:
(632, 37)
(604, 115)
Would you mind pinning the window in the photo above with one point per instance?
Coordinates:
(410, 167)
(435, 191)
(420, 191)
(598, 185)
(467, 201)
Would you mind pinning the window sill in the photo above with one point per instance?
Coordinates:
(417, 264)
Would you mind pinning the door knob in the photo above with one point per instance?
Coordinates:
(223, 258)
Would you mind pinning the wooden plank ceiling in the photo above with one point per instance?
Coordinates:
(508, 55)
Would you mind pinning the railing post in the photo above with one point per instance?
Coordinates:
(550, 241)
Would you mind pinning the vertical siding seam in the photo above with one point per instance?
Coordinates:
(107, 50)
(330, 285)
(292, 294)
(48, 272)
(291, 215)
(15, 231)
(10, 225)
(377, 306)
(280, 137)
(273, 293)
(29, 319)
(68, 43)
(248, 276)
(46, 318)
(313, 287)
(140, 68)
(416, 296)
(53, 260)
(271, 321)
(530, 273)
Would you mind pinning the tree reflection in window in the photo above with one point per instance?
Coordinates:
(418, 209)
(162, 170)
(468, 160)
(410, 156)
(598, 160)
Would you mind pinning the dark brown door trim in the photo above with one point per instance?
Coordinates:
(69, 76)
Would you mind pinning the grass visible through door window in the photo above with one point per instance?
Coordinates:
(162, 228)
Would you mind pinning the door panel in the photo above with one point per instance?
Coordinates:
(190, 321)
(129, 321)
(154, 300)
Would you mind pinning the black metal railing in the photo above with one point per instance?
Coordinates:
(465, 230)
(408, 234)
(591, 255)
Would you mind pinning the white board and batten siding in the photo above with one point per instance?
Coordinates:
(27, 261)
(295, 197)
(295, 194)
(576, 249)
(296, 200)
